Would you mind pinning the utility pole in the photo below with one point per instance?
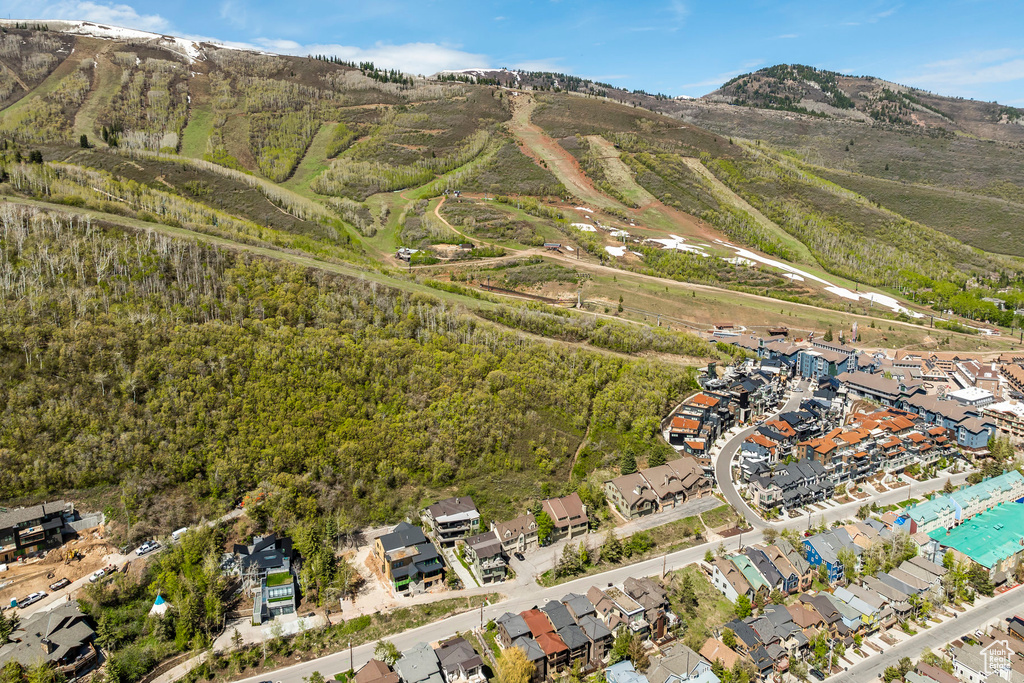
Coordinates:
(664, 565)
(351, 666)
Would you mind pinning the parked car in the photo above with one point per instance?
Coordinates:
(31, 599)
(817, 674)
(63, 583)
(178, 533)
(519, 556)
(97, 575)
(147, 547)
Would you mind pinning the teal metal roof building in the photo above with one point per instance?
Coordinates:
(992, 538)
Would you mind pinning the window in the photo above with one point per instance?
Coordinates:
(283, 592)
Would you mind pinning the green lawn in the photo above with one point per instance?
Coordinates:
(279, 579)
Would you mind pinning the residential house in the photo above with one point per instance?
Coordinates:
(419, 664)
(605, 609)
(729, 580)
(535, 655)
(852, 618)
(624, 672)
(267, 572)
(630, 611)
(653, 598)
(28, 530)
(518, 535)
(876, 608)
(483, 552)
(762, 660)
(772, 576)
(658, 488)
(897, 599)
(459, 661)
(792, 485)
(798, 558)
(901, 582)
(925, 569)
(934, 673)
(972, 665)
(452, 519)
(805, 617)
(747, 639)
(714, 650)
(555, 651)
(751, 573)
(408, 562)
(632, 495)
(568, 515)
(791, 578)
(824, 548)
(578, 605)
(599, 635)
(61, 637)
(1015, 627)
(511, 627)
(376, 671)
(677, 664)
(832, 618)
(537, 622)
(577, 641)
(557, 614)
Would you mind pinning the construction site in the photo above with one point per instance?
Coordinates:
(72, 561)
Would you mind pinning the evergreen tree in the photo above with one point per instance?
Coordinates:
(656, 459)
(627, 463)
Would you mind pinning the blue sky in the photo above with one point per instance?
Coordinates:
(970, 48)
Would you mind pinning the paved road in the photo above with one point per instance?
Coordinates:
(723, 463)
(333, 663)
(991, 612)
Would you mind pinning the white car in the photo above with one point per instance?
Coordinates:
(147, 547)
(97, 575)
(31, 599)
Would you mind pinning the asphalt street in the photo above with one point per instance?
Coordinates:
(993, 612)
(723, 469)
(527, 596)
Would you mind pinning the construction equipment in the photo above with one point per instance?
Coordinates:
(72, 555)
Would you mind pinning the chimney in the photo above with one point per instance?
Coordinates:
(48, 646)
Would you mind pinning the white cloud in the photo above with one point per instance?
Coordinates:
(974, 68)
(97, 12)
(415, 58)
(787, 36)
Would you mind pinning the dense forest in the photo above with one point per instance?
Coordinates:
(183, 376)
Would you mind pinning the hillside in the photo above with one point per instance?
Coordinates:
(203, 296)
(804, 89)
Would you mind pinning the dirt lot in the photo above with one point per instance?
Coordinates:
(20, 579)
